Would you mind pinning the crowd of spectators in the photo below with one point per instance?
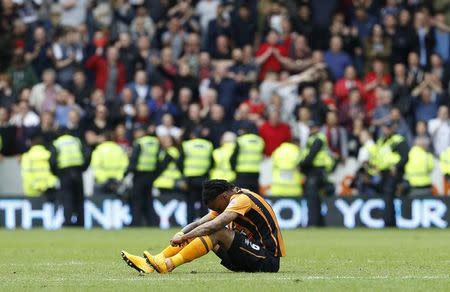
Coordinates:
(211, 66)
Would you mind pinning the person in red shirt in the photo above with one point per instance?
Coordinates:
(274, 132)
(268, 54)
(345, 85)
(255, 104)
(375, 78)
(102, 65)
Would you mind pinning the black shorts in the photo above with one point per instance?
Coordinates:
(246, 256)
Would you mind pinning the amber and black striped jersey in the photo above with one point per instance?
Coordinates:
(256, 220)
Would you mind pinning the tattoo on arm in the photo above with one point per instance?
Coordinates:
(212, 226)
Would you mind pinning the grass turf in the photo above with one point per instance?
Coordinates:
(325, 259)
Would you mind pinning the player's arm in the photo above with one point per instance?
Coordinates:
(195, 224)
(210, 227)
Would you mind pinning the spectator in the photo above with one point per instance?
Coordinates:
(400, 90)
(316, 107)
(422, 133)
(73, 12)
(336, 59)
(216, 126)
(425, 41)
(142, 24)
(23, 116)
(268, 55)
(243, 28)
(39, 51)
(97, 126)
(352, 110)
(140, 87)
(226, 88)
(168, 128)
(109, 71)
(43, 95)
(403, 39)
(363, 21)
(415, 72)
(375, 78)
(442, 37)
(21, 73)
(274, 132)
(219, 27)
(377, 45)
(206, 11)
(439, 130)
(80, 88)
(67, 54)
(256, 106)
(402, 127)
(301, 129)
(174, 37)
(345, 85)
(336, 137)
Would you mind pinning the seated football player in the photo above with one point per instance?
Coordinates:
(241, 230)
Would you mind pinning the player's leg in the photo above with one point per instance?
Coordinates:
(198, 247)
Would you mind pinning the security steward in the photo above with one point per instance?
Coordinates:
(246, 160)
(145, 166)
(37, 177)
(195, 161)
(419, 168)
(170, 180)
(68, 160)
(391, 160)
(444, 163)
(286, 176)
(109, 162)
(316, 164)
(221, 156)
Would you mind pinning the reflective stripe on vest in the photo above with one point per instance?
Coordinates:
(250, 154)
(69, 152)
(171, 174)
(149, 153)
(109, 161)
(286, 178)
(35, 169)
(222, 166)
(419, 167)
(444, 162)
(197, 157)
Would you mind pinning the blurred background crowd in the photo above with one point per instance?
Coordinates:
(209, 67)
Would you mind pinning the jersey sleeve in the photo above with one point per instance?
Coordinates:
(213, 214)
(239, 204)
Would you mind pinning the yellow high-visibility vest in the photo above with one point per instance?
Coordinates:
(386, 157)
(109, 161)
(444, 162)
(419, 167)
(286, 177)
(197, 157)
(35, 169)
(250, 156)
(222, 165)
(149, 153)
(69, 151)
(323, 158)
(168, 178)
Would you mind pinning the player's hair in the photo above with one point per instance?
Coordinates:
(213, 188)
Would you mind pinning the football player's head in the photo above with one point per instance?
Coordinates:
(216, 194)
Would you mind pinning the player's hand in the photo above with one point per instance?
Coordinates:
(177, 239)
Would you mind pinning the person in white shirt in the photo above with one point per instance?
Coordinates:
(206, 10)
(167, 128)
(366, 142)
(24, 116)
(439, 130)
(43, 95)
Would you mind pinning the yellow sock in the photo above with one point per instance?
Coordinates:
(195, 249)
(170, 251)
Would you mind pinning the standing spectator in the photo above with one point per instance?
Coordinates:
(43, 95)
(218, 27)
(336, 137)
(301, 129)
(168, 128)
(21, 73)
(415, 73)
(174, 37)
(401, 90)
(402, 127)
(140, 87)
(425, 40)
(348, 83)
(244, 73)
(375, 78)
(403, 39)
(363, 21)
(377, 45)
(73, 12)
(142, 24)
(442, 37)
(226, 88)
(80, 88)
(439, 130)
(243, 28)
(23, 116)
(67, 54)
(336, 59)
(274, 132)
(206, 11)
(216, 125)
(426, 100)
(267, 55)
(109, 71)
(352, 110)
(39, 51)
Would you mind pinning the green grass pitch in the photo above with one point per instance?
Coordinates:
(325, 259)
